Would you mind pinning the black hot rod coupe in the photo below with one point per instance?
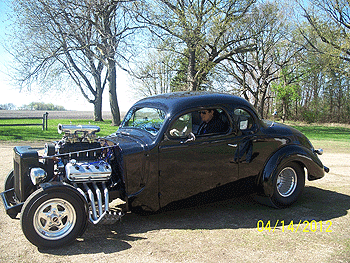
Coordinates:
(169, 147)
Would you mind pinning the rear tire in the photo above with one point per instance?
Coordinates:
(53, 218)
(288, 185)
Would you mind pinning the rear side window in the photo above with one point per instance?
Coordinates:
(244, 119)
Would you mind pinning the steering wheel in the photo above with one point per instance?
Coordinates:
(150, 128)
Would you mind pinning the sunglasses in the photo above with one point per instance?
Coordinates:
(203, 112)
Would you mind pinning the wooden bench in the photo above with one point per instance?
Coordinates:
(43, 123)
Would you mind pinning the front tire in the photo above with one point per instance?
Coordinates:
(9, 184)
(53, 218)
(9, 181)
(288, 185)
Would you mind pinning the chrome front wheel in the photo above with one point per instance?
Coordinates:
(53, 217)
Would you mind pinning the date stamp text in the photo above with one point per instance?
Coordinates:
(301, 226)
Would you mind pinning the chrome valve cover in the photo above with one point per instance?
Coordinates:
(88, 172)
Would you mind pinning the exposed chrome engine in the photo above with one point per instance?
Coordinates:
(83, 161)
(99, 171)
(78, 133)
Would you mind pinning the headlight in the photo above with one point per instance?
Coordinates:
(37, 175)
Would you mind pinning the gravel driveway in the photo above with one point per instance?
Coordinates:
(224, 231)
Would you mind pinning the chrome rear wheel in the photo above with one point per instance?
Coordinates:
(287, 181)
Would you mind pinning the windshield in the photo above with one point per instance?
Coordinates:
(148, 119)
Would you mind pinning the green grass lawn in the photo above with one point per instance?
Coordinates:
(332, 138)
(35, 133)
(319, 132)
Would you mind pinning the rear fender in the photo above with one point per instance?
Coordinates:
(293, 153)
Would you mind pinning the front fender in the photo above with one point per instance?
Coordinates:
(63, 187)
(291, 153)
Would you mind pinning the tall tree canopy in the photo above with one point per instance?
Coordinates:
(204, 32)
(254, 71)
(330, 20)
(325, 87)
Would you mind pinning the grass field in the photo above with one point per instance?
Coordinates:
(318, 132)
(35, 133)
(335, 132)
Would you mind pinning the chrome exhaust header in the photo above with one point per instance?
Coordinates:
(99, 204)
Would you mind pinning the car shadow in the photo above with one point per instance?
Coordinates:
(195, 213)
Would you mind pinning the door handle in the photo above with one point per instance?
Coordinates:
(232, 145)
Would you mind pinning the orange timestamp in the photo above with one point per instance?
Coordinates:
(301, 226)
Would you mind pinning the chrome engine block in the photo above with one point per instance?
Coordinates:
(87, 172)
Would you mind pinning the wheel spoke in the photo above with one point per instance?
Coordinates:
(46, 226)
(63, 214)
(44, 215)
(286, 182)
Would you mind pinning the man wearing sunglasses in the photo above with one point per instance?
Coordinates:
(211, 123)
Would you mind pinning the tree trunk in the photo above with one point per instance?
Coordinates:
(191, 82)
(112, 90)
(98, 106)
(284, 110)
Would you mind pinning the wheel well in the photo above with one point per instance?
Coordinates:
(265, 179)
(62, 187)
(302, 166)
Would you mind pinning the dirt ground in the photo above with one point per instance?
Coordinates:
(225, 231)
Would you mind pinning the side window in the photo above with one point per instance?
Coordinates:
(244, 119)
(182, 126)
(208, 121)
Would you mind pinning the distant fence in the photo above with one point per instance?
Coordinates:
(43, 123)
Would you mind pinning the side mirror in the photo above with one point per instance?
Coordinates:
(191, 138)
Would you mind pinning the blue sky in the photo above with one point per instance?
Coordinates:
(12, 94)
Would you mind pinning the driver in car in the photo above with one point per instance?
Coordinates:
(211, 123)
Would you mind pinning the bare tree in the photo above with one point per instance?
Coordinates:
(254, 71)
(155, 74)
(330, 21)
(79, 38)
(205, 32)
(326, 33)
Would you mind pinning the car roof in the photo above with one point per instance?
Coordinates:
(178, 101)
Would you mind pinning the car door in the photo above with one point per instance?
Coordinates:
(188, 167)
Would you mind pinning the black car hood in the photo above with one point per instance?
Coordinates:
(130, 141)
